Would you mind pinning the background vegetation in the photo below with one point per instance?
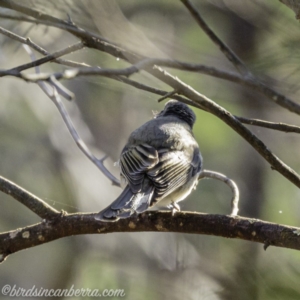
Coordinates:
(38, 154)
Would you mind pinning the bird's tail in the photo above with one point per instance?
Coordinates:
(126, 204)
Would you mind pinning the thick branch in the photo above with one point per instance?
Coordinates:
(230, 120)
(184, 222)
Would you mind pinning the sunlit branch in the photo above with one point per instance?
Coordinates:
(35, 204)
(234, 188)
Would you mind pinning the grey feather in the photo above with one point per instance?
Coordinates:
(160, 162)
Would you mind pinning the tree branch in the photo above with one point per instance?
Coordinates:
(94, 41)
(155, 221)
(53, 95)
(230, 120)
(231, 56)
(271, 125)
(50, 57)
(234, 188)
(35, 204)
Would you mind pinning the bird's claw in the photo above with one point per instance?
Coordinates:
(174, 207)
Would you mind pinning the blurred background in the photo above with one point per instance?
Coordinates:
(38, 153)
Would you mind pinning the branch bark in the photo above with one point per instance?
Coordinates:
(254, 230)
(35, 204)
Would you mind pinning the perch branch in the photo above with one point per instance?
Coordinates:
(154, 221)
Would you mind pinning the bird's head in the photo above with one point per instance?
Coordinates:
(180, 110)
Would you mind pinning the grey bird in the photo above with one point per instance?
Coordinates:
(160, 164)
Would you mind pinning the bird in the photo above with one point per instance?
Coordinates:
(159, 165)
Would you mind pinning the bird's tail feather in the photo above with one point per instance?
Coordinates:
(126, 204)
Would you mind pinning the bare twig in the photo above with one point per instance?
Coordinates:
(31, 12)
(247, 81)
(30, 43)
(62, 90)
(82, 146)
(35, 204)
(234, 188)
(73, 73)
(50, 57)
(271, 125)
(231, 56)
(51, 92)
(167, 95)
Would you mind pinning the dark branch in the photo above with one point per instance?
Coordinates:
(271, 125)
(184, 222)
(231, 121)
(95, 41)
(31, 12)
(50, 57)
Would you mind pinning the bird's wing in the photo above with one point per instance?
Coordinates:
(135, 162)
(174, 169)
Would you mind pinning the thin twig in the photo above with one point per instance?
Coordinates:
(50, 57)
(271, 125)
(30, 43)
(62, 90)
(73, 73)
(51, 92)
(232, 57)
(234, 188)
(35, 204)
(167, 95)
(31, 12)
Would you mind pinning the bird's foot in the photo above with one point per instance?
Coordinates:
(174, 207)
